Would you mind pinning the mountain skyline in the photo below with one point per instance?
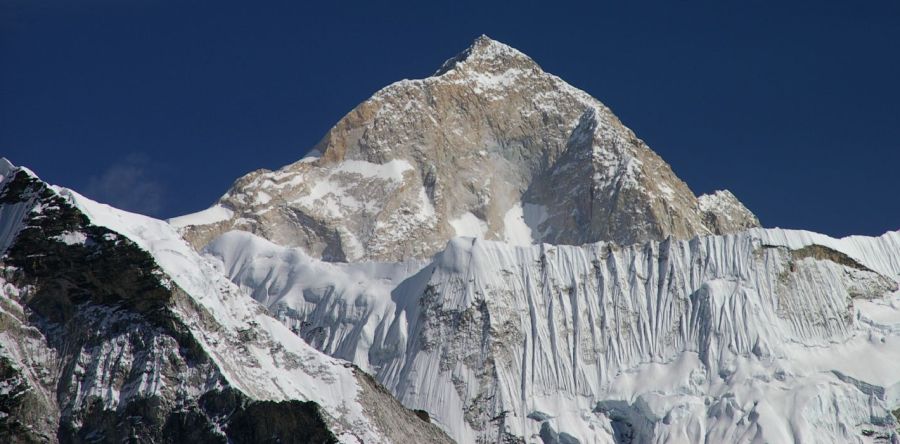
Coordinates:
(490, 146)
(486, 254)
(727, 96)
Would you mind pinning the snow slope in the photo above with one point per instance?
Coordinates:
(762, 336)
(254, 353)
(326, 381)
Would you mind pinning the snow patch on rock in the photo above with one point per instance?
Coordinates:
(515, 229)
(469, 225)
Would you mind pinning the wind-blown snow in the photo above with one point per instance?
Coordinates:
(739, 338)
(311, 156)
(211, 215)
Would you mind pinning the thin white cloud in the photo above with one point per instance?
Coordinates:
(129, 185)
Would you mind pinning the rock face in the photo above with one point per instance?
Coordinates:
(724, 213)
(113, 330)
(489, 146)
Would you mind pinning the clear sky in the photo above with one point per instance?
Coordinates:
(157, 106)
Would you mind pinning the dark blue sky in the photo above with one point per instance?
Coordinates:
(157, 106)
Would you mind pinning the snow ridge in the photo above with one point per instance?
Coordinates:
(747, 337)
(180, 303)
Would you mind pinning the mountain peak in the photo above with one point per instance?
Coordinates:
(487, 55)
(486, 46)
(490, 147)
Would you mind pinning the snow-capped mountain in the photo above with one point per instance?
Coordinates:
(493, 246)
(489, 146)
(679, 321)
(112, 329)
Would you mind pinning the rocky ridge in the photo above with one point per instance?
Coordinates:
(112, 329)
(489, 146)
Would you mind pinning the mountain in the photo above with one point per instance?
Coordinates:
(489, 146)
(497, 249)
(486, 255)
(113, 329)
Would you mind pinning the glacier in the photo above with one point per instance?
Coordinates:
(767, 335)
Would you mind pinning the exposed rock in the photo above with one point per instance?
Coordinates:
(105, 338)
(489, 146)
(28, 411)
(723, 213)
(398, 423)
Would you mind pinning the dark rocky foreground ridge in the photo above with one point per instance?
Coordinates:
(95, 344)
(78, 298)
